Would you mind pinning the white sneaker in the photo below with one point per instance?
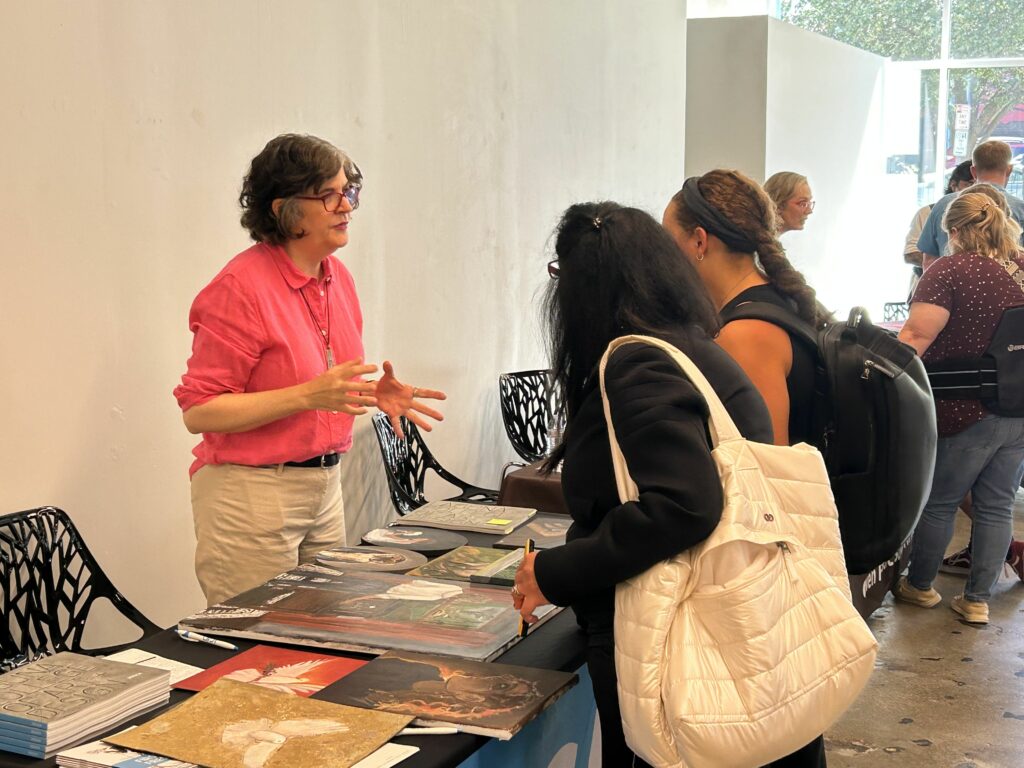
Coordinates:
(973, 612)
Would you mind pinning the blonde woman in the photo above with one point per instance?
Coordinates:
(791, 194)
(956, 308)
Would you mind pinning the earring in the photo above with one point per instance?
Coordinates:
(700, 256)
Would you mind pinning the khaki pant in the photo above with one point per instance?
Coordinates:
(253, 523)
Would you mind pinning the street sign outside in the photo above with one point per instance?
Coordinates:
(962, 121)
(960, 143)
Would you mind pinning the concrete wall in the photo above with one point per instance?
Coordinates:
(726, 95)
(127, 127)
(764, 96)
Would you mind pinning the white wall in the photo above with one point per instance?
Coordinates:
(726, 95)
(824, 120)
(764, 96)
(127, 127)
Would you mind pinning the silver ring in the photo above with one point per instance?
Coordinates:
(516, 592)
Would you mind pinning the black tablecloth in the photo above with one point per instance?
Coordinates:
(557, 644)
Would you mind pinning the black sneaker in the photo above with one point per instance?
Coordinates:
(958, 564)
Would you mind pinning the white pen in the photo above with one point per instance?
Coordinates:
(427, 731)
(195, 637)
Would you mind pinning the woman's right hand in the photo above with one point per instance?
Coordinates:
(340, 389)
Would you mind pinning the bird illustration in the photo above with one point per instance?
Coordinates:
(262, 738)
(287, 678)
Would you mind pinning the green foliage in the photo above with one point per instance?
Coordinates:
(904, 30)
(986, 28)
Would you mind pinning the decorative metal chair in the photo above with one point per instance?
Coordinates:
(895, 311)
(406, 463)
(529, 406)
(50, 583)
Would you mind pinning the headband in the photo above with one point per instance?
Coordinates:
(711, 219)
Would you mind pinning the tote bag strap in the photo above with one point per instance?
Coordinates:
(720, 424)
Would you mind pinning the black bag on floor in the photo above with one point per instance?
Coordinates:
(875, 418)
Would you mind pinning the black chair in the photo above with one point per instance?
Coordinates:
(406, 463)
(895, 311)
(529, 406)
(50, 582)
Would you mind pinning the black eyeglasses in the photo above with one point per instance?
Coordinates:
(553, 269)
(332, 200)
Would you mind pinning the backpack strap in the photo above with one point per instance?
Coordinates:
(776, 315)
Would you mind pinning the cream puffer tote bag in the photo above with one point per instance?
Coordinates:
(745, 647)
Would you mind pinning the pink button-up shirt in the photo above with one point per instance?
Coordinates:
(253, 332)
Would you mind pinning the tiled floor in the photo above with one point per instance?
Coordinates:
(945, 694)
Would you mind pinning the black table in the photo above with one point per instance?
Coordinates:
(557, 644)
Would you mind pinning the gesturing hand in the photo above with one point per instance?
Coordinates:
(526, 594)
(397, 400)
(340, 389)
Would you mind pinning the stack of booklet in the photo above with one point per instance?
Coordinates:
(465, 516)
(67, 698)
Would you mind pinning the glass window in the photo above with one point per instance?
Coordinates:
(986, 29)
(929, 184)
(986, 103)
(904, 30)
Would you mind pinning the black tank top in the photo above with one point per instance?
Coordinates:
(800, 382)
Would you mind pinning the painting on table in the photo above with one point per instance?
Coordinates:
(463, 563)
(235, 725)
(490, 699)
(416, 539)
(370, 558)
(369, 613)
(547, 531)
(277, 669)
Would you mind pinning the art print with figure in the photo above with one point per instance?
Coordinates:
(463, 563)
(490, 699)
(235, 725)
(369, 613)
(277, 669)
(547, 531)
(370, 558)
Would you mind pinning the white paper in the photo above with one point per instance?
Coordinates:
(387, 756)
(179, 670)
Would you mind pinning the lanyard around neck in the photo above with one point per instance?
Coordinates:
(323, 333)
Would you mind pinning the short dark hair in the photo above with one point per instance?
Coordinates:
(961, 173)
(290, 164)
(620, 272)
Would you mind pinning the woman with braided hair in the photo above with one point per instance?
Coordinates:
(725, 224)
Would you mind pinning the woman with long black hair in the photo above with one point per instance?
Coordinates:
(617, 272)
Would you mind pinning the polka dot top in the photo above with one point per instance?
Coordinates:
(975, 290)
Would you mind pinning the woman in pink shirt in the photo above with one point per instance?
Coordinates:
(274, 381)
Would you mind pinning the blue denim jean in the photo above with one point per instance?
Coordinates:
(987, 459)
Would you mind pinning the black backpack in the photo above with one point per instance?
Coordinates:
(874, 418)
(996, 378)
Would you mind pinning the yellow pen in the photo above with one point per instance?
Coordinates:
(523, 626)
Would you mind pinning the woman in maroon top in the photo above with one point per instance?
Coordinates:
(955, 310)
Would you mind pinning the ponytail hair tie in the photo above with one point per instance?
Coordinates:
(597, 223)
